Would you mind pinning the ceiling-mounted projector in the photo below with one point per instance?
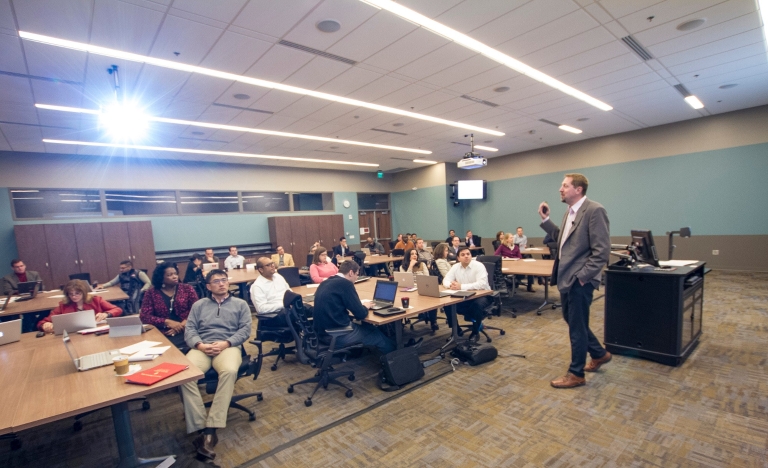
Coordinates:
(472, 160)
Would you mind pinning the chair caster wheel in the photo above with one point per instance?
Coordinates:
(307, 402)
(15, 444)
(145, 405)
(273, 368)
(502, 332)
(290, 389)
(77, 426)
(259, 397)
(554, 307)
(251, 417)
(351, 377)
(349, 394)
(538, 312)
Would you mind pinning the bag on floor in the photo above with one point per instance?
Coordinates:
(475, 353)
(400, 367)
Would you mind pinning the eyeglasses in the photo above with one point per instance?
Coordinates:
(220, 281)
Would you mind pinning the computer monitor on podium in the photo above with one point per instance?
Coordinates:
(645, 249)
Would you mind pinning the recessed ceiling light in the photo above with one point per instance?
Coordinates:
(568, 128)
(399, 124)
(488, 141)
(692, 24)
(213, 153)
(728, 86)
(694, 102)
(424, 161)
(493, 54)
(328, 26)
(502, 89)
(582, 119)
(240, 129)
(241, 96)
(486, 148)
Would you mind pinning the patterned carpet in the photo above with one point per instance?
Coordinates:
(710, 411)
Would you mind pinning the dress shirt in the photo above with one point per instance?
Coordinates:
(472, 278)
(233, 262)
(469, 241)
(425, 256)
(569, 222)
(522, 241)
(267, 295)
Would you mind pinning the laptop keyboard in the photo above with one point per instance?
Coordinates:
(96, 360)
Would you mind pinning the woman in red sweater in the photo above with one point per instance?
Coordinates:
(77, 297)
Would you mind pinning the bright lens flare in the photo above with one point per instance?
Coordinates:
(124, 122)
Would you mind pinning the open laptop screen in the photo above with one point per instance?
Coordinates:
(385, 291)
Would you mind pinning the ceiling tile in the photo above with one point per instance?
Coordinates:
(349, 81)
(705, 50)
(271, 17)
(706, 35)
(470, 15)
(190, 39)
(551, 33)
(278, 63)
(407, 49)
(375, 34)
(440, 59)
(528, 17)
(126, 27)
(725, 61)
(67, 20)
(667, 15)
(11, 58)
(350, 14)
(462, 71)
(376, 89)
(235, 53)
(54, 62)
(316, 73)
(16, 90)
(220, 11)
(620, 8)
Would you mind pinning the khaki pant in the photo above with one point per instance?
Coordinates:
(226, 364)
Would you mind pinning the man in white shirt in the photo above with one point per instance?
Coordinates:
(268, 290)
(234, 260)
(469, 275)
(520, 239)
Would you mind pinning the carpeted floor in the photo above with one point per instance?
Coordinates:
(710, 411)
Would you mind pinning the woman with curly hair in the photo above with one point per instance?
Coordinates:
(167, 303)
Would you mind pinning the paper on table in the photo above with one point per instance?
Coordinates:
(529, 259)
(156, 351)
(677, 263)
(56, 296)
(509, 258)
(310, 286)
(138, 346)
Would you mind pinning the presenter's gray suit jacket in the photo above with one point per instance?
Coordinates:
(585, 251)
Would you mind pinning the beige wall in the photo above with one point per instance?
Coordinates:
(37, 170)
(428, 176)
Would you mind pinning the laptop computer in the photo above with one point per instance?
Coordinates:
(10, 332)
(124, 326)
(427, 286)
(384, 294)
(7, 300)
(73, 322)
(366, 250)
(405, 279)
(28, 290)
(90, 361)
(360, 279)
(210, 266)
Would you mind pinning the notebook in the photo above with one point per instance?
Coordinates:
(156, 374)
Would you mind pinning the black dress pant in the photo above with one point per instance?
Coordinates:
(473, 310)
(576, 303)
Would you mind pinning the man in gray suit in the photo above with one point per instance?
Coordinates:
(584, 247)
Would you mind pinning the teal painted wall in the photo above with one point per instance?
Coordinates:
(422, 211)
(713, 192)
(351, 226)
(7, 240)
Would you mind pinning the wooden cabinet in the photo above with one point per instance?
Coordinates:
(297, 233)
(59, 250)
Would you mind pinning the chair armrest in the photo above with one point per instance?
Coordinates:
(266, 316)
(334, 332)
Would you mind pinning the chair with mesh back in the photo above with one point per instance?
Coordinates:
(497, 280)
(81, 276)
(493, 309)
(397, 253)
(249, 367)
(291, 275)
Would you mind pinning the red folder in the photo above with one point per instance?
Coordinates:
(155, 374)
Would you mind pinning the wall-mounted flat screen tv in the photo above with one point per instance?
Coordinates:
(472, 189)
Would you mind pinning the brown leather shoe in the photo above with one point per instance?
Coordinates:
(568, 381)
(595, 364)
(204, 446)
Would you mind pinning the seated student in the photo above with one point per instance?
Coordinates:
(404, 243)
(282, 259)
(217, 327)
(167, 304)
(453, 249)
(497, 242)
(469, 241)
(508, 249)
(133, 283)
(441, 259)
(374, 247)
(20, 274)
(451, 235)
(412, 263)
(194, 274)
(342, 250)
(414, 237)
(335, 299)
(267, 292)
(209, 257)
(314, 246)
(234, 260)
(424, 255)
(77, 297)
(469, 275)
(321, 269)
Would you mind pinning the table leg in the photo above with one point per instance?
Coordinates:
(451, 312)
(124, 434)
(244, 292)
(399, 333)
(546, 298)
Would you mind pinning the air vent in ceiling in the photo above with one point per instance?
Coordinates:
(480, 101)
(637, 48)
(206, 140)
(682, 90)
(326, 151)
(462, 144)
(388, 131)
(243, 108)
(338, 58)
(549, 122)
(41, 78)
(36, 125)
(403, 159)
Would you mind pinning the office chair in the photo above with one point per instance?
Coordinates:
(266, 330)
(291, 275)
(392, 245)
(314, 351)
(497, 279)
(310, 257)
(435, 243)
(249, 367)
(493, 309)
(81, 276)
(397, 253)
(359, 258)
(496, 245)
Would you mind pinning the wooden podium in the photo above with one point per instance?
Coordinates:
(654, 314)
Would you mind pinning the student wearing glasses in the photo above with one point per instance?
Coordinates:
(167, 303)
(267, 292)
(77, 297)
(216, 329)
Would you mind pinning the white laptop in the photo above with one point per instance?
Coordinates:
(124, 326)
(404, 279)
(73, 322)
(210, 266)
(366, 250)
(427, 286)
(91, 361)
(10, 332)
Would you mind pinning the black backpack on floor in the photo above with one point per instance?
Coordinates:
(475, 353)
(400, 367)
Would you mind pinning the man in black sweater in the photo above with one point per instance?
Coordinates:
(335, 298)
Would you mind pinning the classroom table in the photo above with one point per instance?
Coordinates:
(379, 259)
(532, 267)
(50, 299)
(241, 277)
(41, 384)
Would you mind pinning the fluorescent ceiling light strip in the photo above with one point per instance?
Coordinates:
(214, 153)
(694, 102)
(424, 161)
(118, 54)
(479, 47)
(239, 129)
(763, 6)
(486, 148)
(568, 128)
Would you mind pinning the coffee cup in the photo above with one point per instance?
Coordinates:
(406, 301)
(121, 365)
